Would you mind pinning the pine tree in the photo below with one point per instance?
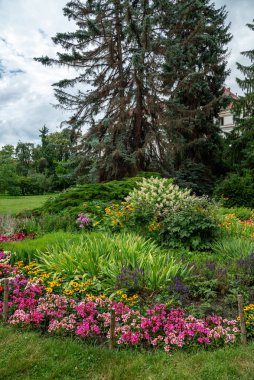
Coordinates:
(141, 66)
(240, 151)
(244, 107)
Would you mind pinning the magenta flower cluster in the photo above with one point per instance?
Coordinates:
(157, 327)
(16, 237)
(83, 220)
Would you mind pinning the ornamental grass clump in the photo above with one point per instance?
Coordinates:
(101, 256)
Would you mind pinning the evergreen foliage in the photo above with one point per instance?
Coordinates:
(74, 198)
(149, 81)
(238, 188)
(240, 144)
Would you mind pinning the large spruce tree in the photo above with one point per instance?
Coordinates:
(195, 72)
(149, 78)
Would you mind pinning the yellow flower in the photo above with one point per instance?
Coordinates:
(19, 264)
(45, 275)
(68, 292)
(90, 296)
(49, 290)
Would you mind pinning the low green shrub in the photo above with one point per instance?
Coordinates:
(236, 190)
(76, 196)
(242, 213)
(46, 223)
(172, 215)
(192, 229)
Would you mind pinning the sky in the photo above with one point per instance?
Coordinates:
(26, 95)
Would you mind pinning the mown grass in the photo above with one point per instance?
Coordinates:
(30, 356)
(13, 205)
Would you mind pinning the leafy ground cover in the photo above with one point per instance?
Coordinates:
(14, 205)
(32, 356)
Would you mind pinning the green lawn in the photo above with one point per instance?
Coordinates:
(12, 205)
(29, 356)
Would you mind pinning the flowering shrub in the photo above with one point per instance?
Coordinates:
(167, 212)
(118, 215)
(158, 327)
(232, 225)
(159, 197)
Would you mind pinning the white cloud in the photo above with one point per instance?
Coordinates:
(25, 85)
(239, 14)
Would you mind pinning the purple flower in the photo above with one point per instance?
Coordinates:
(83, 220)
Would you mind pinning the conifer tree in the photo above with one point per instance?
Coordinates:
(244, 107)
(240, 151)
(149, 77)
(195, 72)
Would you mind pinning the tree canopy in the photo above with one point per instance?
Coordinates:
(149, 79)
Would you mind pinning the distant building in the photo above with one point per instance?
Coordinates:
(226, 119)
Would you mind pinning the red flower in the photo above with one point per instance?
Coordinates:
(1, 289)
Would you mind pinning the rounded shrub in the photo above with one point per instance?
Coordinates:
(236, 190)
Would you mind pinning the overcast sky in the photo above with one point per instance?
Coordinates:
(26, 94)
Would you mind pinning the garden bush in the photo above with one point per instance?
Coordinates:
(167, 211)
(76, 196)
(158, 197)
(236, 190)
(242, 213)
(193, 229)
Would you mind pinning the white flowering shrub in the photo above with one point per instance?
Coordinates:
(172, 215)
(160, 197)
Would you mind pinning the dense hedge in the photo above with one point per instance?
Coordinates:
(77, 196)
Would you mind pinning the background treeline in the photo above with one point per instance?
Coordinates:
(37, 169)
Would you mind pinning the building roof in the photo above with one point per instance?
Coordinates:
(228, 92)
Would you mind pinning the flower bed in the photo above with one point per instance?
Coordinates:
(16, 237)
(30, 305)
